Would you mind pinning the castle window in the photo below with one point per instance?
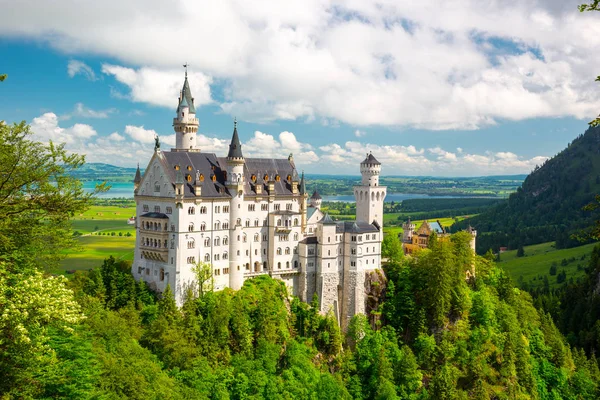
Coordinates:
(191, 210)
(264, 238)
(279, 251)
(277, 207)
(253, 178)
(191, 227)
(225, 240)
(207, 257)
(172, 228)
(145, 207)
(328, 239)
(266, 177)
(207, 242)
(278, 265)
(296, 250)
(277, 178)
(225, 256)
(214, 178)
(264, 207)
(217, 241)
(295, 236)
(279, 222)
(189, 167)
(289, 178)
(156, 187)
(226, 225)
(287, 250)
(295, 221)
(191, 244)
(287, 264)
(265, 265)
(156, 209)
(177, 168)
(251, 207)
(225, 271)
(295, 264)
(202, 210)
(256, 237)
(247, 223)
(288, 207)
(162, 274)
(217, 225)
(169, 210)
(225, 209)
(244, 238)
(203, 227)
(216, 257)
(256, 223)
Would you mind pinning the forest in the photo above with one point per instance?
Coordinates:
(447, 325)
(550, 205)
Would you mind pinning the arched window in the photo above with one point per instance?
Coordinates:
(247, 223)
(225, 256)
(226, 225)
(207, 242)
(278, 265)
(279, 250)
(287, 264)
(203, 227)
(264, 265)
(217, 225)
(295, 264)
(207, 257)
(295, 221)
(238, 222)
(287, 250)
(295, 236)
(256, 237)
(217, 241)
(225, 240)
(202, 210)
(279, 222)
(256, 222)
(191, 227)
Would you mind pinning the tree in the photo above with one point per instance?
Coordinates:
(204, 277)
(391, 248)
(37, 197)
(3, 77)
(520, 251)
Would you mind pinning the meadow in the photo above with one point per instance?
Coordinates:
(395, 230)
(103, 231)
(535, 264)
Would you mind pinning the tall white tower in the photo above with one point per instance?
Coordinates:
(185, 123)
(369, 195)
(235, 184)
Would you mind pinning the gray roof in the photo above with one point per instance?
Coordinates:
(186, 96)
(155, 215)
(371, 160)
(310, 211)
(355, 227)
(179, 177)
(138, 175)
(209, 165)
(206, 163)
(302, 184)
(310, 240)
(316, 195)
(327, 220)
(235, 148)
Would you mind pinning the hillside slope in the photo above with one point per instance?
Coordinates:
(549, 204)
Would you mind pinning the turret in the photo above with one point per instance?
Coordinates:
(473, 233)
(408, 229)
(179, 184)
(235, 184)
(185, 123)
(137, 179)
(303, 199)
(316, 200)
(370, 169)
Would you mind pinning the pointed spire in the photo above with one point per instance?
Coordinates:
(302, 185)
(235, 148)
(186, 94)
(138, 175)
(316, 195)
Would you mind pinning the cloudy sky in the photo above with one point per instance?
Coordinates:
(452, 88)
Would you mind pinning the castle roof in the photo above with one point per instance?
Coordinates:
(327, 220)
(302, 184)
(316, 195)
(138, 175)
(208, 165)
(186, 96)
(155, 215)
(235, 148)
(371, 160)
(355, 227)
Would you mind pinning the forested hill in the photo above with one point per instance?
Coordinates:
(549, 204)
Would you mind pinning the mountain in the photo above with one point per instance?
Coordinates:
(548, 206)
(104, 172)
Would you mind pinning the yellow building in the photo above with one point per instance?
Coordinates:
(415, 240)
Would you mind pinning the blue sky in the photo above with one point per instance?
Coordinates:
(453, 92)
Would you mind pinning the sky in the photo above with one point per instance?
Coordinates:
(452, 88)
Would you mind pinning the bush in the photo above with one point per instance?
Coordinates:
(120, 233)
(112, 234)
(561, 277)
(128, 234)
(553, 269)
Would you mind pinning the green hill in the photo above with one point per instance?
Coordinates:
(548, 206)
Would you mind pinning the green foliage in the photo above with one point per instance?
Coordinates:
(391, 248)
(3, 77)
(520, 251)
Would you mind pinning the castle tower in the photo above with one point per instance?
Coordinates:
(303, 201)
(185, 123)
(137, 179)
(316, 200)
(369, 195)
(235, 183)
(473, 233)
(408, 229)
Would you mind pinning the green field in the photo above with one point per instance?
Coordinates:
(538, 259)
(96, 227)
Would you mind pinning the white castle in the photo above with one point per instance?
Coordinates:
(251, 216)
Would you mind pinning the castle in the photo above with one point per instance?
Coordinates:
(246, 217)
(413, 239)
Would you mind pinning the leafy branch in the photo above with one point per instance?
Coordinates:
(594, 5)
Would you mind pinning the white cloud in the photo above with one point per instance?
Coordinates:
(427, 64)
(358, 133)
(267, 146)
(85, 112)
(46, 128)
(76, 67)
(116, 137)
(159, 87)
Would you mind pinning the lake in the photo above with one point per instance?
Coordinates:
(125, 190)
